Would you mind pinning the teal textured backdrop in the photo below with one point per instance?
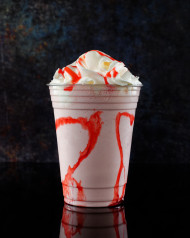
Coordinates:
(150, 37)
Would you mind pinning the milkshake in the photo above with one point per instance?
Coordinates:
(94, 101)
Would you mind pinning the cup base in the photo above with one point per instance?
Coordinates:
(93, 197)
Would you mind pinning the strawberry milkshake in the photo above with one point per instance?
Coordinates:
(94, 101)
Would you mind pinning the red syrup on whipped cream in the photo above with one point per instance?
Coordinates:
(76, 77)
(93, 126)
(103, 54)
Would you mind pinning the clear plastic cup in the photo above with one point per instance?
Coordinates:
(94, 125)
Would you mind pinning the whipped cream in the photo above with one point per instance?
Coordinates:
(95, 67)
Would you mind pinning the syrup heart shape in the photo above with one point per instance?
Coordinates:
(116, 197)
(93, 126)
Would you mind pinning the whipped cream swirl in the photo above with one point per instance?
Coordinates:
(95, 67)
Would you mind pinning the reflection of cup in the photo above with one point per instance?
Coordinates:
(94, 125)
(90, 222)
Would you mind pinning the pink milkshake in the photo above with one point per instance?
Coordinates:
(94, 101)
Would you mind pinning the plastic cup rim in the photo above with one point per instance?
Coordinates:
(94, 85)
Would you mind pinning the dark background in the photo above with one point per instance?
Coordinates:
(150, 37)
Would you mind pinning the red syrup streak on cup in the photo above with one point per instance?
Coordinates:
(93, 125)
(66, 222)
(116, 198)
(69, 88)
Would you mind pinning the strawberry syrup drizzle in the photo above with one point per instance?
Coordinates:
(93, 126)
(66, 222)
(69, 88)
(123, 190)
(102, 54)
(116, 197)
(80, 61)
(76, 77)
(105, 78)
(115, 73)
(108, 75)
(60, 71)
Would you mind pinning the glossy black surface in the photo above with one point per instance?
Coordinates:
(156, 201)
